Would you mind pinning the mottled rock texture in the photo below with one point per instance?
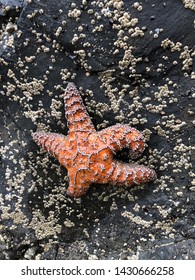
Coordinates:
(134, 64)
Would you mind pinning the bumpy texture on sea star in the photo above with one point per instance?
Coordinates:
(88, 155)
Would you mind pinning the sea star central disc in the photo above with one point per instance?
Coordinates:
(88, 155)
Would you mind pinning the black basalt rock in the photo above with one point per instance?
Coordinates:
(134, 64)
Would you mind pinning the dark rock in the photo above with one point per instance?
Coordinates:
(184, 250)
(134, 65)
(10, 10)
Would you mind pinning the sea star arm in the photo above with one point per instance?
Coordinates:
(75, 112)
(78, 185)
(77, 190)
(125, 174)
(54, 143)
(120, 136)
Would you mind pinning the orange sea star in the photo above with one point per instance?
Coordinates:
(88, 155)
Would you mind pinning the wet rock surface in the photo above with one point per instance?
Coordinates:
(134, 64)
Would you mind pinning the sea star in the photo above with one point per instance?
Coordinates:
(88, 155)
